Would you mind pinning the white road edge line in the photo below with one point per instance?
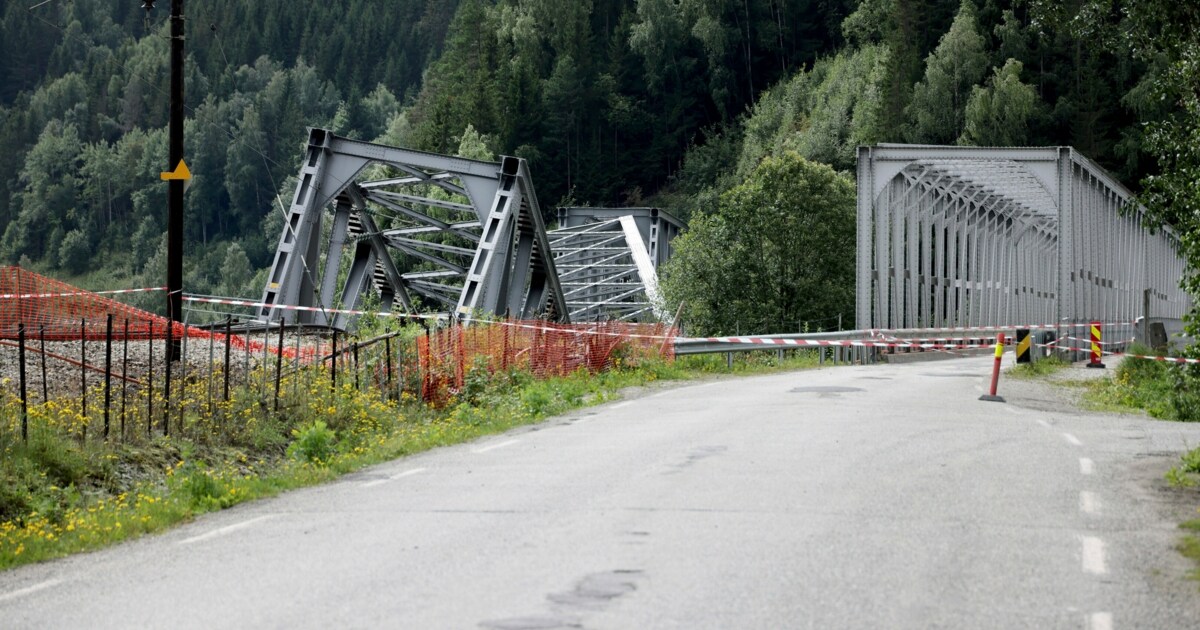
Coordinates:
(494, 447)
(1072, 439)
(1088, 503)
(1086, 466)
(225, 530)
(622, 404)
(1093, 555)
(29, 590)
(371, 484)
(1100, 621)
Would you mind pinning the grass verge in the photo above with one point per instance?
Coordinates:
(1040, 368)
(1189, 545)
(60, 494)
(1187, 475)
(1163, 391)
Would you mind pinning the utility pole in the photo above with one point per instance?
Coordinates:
(175, 185)
(176, 177)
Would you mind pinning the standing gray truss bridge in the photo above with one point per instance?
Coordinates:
(428, 232)
(608, 258)
(998, 237)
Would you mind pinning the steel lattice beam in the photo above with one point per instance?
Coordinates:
(463, 235)
(608, 258)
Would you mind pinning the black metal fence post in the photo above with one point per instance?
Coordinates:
(124, 376)
(150, 383)
(354, 350)
(228, 336)
(333, 363)
(83, 372)
(387, 351)
(170, 354)
(278, 365)
(24, 392)
(108, 332)
(45, 381)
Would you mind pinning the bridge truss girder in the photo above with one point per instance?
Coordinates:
(469, 236)
(975, 237)
(608, 261)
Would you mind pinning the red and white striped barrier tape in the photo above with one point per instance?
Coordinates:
(768, 341)
(1102, 343)
(11, 296)
(881, 331)
(1149, 357)
(965, 340)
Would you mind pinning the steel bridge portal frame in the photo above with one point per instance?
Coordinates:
(952, 237)
(475, 226)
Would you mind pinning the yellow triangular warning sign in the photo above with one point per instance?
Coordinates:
(180, 172)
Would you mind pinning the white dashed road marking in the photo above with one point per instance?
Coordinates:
(394, 477)
(1088, 503)
(225, 530)
(494, 446)
(1086, 467)
(29, 590)
(1093, 556)
(1072, 439)
(1100, 621)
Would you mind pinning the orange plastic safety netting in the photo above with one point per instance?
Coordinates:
(63, 312)
(57, 311)
(446, 356)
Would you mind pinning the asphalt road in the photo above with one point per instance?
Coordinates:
(849, 497)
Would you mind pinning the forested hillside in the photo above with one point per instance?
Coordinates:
(612, 101)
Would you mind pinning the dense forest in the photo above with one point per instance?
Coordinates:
(613, 102)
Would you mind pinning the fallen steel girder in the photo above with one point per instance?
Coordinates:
(460, 235)
(608, 258)
(975, 237)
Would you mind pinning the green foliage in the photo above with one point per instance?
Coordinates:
(314, 443)
(822, 114)
(939, 100)
(1004, 113)
(1186, 474)
(778, 251)
(1040, 367)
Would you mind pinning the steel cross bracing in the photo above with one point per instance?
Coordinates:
(607, 260)
(975, 237)
(415, 226)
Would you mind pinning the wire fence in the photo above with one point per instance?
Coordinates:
(91, 366)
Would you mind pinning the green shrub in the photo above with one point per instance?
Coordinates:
(1184, 393)
(313, 443)
(1184, 475)
(202, 489)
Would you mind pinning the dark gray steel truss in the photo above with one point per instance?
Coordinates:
(608, 259)
(977, 237)
(429, 232)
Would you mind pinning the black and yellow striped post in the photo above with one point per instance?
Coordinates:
(1096, 350)
(1024, 345)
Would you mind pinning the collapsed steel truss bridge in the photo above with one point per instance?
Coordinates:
(979, 237)
(427, 232)
(470, 234)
